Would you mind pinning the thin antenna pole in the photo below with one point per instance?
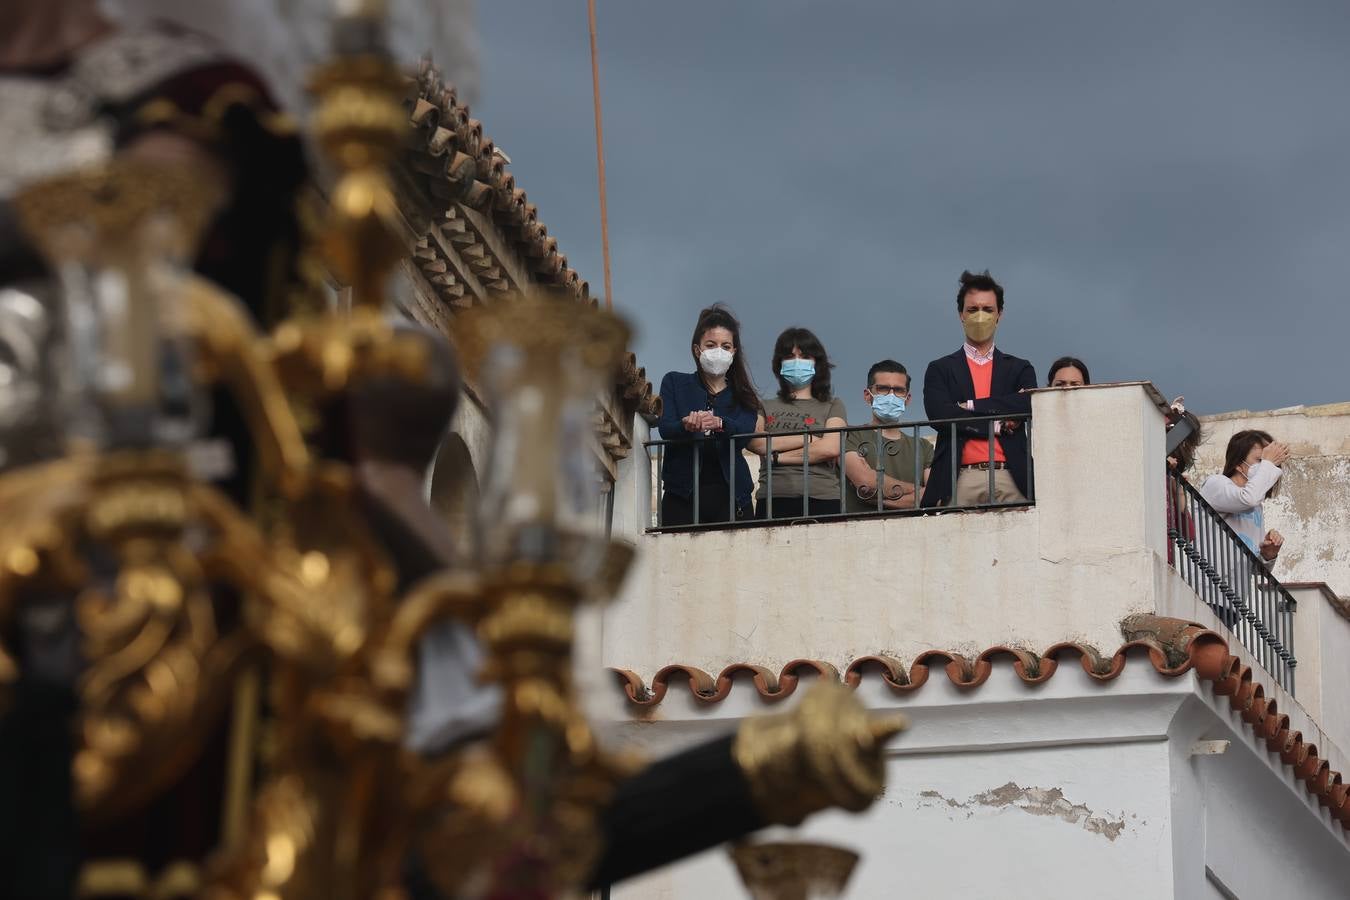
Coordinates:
(600, 159)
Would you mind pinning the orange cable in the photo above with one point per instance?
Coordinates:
(600, 158)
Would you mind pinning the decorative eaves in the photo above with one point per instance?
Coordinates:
(1174, 648)
(487, 238)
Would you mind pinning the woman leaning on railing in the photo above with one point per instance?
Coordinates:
(714, 402)
(1251, 473)
(804, 401)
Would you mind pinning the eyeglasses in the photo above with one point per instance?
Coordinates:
(885, 390)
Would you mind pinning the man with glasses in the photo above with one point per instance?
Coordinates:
(883, 460)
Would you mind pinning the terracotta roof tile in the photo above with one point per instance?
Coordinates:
(466, 167)
(1174, 647)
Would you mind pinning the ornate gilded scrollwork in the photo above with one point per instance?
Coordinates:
(172, 585)
(793, 870)
(520, 813)
(116, 534)
(127, 541)
(825, 753)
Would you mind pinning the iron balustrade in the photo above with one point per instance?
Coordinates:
(1232, 579)
(970, 426)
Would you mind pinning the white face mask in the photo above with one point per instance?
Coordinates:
(715, 361)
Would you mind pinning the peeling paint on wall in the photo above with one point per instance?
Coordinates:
(1034, 801)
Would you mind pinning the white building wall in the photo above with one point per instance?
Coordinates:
(1319, 675)
(1066, 789)
(1263, 834)
(1027, 792)
(1063, 790)
(1022, 823)
(633, 487)
(1090, 553)
(1071, 568)
(1322, 637)
(841, 590)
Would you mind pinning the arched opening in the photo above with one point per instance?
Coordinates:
(454, 490)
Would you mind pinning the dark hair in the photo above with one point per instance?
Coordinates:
(888, 365)
(1185, 451)
(1065, 362)
(738, 376)
(1239, 445)
(810, 345)
(971, 282)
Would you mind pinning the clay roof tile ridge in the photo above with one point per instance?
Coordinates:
(1174, 647)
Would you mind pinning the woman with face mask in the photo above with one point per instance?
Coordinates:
(804, 401)
(703, 410)
(1251, 473)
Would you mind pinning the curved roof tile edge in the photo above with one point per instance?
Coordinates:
(1174, 647)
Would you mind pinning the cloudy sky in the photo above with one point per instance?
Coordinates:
(1163, 188)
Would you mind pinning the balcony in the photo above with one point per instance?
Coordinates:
(961, 618)
(1101, 542)
(1091, 551)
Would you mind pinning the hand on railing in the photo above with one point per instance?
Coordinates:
(894, 490)
(896, 495)
(702, 420)
(1270, 547)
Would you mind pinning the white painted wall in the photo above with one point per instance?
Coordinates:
(1064, 790)
(1322, 639)
(841, 590)
(633, 489)
(1068, 569)
(1092, 551)
(945, 829)
(1263, 834)
(1319, 676)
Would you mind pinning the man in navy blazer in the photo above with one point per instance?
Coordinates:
(978, 380)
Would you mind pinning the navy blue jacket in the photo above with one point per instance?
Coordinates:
(946, 383)
(681, 394)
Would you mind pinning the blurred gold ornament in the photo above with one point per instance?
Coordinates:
(121, 533)
(826, 752)
(100, 211)
(793, 870)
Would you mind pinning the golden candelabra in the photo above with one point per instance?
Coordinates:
(793, 870)
(175, 587)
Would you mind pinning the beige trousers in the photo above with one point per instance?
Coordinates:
(972, 488)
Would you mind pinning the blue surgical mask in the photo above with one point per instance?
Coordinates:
(888, 408)
(798, 372)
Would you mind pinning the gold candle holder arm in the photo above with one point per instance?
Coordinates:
(450, 594)
(828, 752)
(229, 349)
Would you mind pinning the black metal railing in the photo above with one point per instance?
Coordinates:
(1232, 579)
(734, 445)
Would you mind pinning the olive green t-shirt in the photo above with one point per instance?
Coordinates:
(897, 462)
(798, 415)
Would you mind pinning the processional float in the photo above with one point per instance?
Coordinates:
(177, 589)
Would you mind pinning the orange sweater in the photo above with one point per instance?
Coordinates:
(976, 450)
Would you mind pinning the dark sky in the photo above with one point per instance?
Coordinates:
(1163, 188)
